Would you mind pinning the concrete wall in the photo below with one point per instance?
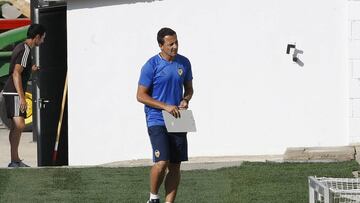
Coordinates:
(250, 98)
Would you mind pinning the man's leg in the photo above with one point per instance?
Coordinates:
(160, 147)
(18, 125)
(157, 175)
(172, 181)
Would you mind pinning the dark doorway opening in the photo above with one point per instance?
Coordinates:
(49, 82)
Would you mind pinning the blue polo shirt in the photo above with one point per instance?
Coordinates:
(165, 80)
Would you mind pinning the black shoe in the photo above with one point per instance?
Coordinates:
(154, 201)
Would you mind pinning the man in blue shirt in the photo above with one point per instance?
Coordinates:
(162, 81)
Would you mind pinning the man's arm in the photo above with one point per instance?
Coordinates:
(143, 96)
(189, 91)
(18, 69)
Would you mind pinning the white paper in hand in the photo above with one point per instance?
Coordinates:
(186, 122)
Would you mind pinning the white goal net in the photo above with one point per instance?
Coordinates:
(334, 190)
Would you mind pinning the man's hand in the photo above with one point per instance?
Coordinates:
(35, 68)
(184, 104)
(23, 104)
(173, 110)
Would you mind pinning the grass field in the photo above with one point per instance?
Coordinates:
(249, 183)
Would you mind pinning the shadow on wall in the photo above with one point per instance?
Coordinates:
(72, 5)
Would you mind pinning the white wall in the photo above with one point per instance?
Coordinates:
(354, 76)
(250, 98)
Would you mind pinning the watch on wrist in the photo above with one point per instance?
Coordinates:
(185, 100)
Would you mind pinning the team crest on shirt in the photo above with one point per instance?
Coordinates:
(157, 153)
(180, 71)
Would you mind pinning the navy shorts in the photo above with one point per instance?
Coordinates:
(168, 146)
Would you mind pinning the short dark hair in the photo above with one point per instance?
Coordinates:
(35, 29)
(164, 32)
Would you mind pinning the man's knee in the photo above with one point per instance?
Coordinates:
(18, 124)
(162, 165)
(174, 167)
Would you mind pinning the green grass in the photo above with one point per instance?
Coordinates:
(249, 183)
